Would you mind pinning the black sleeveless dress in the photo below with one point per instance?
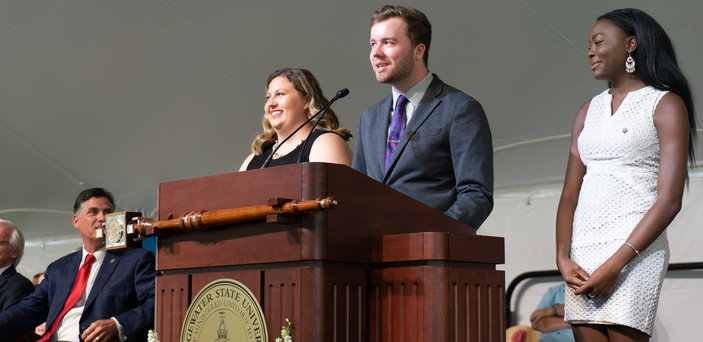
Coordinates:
(291, 157)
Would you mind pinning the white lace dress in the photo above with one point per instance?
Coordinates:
(621, 155)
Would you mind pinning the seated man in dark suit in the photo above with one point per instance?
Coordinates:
(426, 139)
(92, 294)
(13, 286)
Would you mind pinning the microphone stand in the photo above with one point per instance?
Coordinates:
(340, 94)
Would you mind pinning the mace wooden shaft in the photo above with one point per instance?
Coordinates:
(204, 220)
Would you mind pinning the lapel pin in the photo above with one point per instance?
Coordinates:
(112, 261)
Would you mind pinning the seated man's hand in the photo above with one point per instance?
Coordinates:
(540, 313)
(550, 323)
(103, 330)
(40, 329)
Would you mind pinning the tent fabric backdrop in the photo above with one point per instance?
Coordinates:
(128, 94)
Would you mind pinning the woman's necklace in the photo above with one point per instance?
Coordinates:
(277, 155)
(276, 144)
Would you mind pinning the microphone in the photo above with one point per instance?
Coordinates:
(342, 93)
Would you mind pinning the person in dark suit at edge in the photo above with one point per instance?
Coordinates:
(437, 142)
(115, 301)
(13, 286)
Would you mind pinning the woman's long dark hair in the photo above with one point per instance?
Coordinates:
(655, 60)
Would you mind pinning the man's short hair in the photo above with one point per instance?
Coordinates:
(90, 193)
(419, 29)
(16, 240)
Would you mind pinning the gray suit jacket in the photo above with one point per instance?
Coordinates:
(444, 158)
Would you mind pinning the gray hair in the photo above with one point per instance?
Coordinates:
(16, 240)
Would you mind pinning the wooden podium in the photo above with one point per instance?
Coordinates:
(380, 267)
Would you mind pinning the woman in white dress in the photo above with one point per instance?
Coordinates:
(627, 169)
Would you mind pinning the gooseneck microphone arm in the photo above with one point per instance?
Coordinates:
(268, 159)
(342, 93)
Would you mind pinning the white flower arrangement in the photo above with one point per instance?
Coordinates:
(152, 336)
(285, 333)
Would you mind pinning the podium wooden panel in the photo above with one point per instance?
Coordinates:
(379, 267)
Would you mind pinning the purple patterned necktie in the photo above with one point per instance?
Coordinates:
(397, 128)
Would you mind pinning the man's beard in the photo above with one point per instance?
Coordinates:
(399, 71)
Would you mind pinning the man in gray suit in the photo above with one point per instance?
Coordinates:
(437, 143)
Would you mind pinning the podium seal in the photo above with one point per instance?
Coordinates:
(224, 311)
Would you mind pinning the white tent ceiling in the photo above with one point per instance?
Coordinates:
(128, 94)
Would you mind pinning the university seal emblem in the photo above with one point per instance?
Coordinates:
(224, 311)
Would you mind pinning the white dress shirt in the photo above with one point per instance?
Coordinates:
(414, 96)
(68, 329)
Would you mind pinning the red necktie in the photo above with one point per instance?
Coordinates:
(74, 295)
